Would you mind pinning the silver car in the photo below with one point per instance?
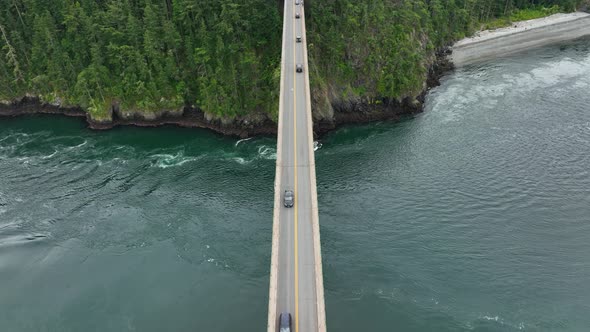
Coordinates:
(288, 198)
(285, 322)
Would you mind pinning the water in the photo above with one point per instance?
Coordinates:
(473, 216)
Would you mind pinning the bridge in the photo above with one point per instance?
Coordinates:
(296, 281)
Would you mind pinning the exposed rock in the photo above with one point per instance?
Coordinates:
(361, 109)
(135, 114)
(183, 117)
(414, 103)
(30, 104)
(330, 110)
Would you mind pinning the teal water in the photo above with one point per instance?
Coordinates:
(473, 216)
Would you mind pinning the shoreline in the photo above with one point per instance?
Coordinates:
(189, 118)
(520, 36)
(350, 111)
(483, 46)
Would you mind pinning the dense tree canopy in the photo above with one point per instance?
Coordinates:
(146, 54)
(222, 55)
(378, 48)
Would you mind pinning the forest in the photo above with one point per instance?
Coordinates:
(223, 56)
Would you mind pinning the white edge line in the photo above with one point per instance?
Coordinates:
(319, 278)
(272, 288)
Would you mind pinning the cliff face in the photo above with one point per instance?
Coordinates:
(217, 62)
(375, 60)
(184, 117)
(333, 109)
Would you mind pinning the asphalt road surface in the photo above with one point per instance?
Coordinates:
(296, 289)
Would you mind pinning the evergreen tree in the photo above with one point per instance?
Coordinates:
(224, 55)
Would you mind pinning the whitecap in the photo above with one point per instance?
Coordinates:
(24, 160)
(14, 135)
(242, 140)
(499, 320)
(77, 146)
(50, 155)
(169, 160)
(494, 318)
(241, 160)
(267, 152)
(316, 145)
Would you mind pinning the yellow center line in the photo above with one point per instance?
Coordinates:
(295, 225)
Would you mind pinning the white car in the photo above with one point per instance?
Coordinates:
(288, 199)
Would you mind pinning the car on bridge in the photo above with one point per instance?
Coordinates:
(298, 39)
(299, 68)
(288, 198)
(285, 322)
(297, 15)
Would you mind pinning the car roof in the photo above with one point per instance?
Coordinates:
(285, 317)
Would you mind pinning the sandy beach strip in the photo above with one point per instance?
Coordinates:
(520, 36)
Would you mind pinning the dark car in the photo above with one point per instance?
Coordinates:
(299, 68)
(289, 198)
(298, 39)
(297, 15)
(285, 322)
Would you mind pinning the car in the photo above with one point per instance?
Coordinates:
(285, 322)
(299, 68)
(298, 39)
(288, 198)
(297, 15)
(297, 2)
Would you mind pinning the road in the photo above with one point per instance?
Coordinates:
(296, 284)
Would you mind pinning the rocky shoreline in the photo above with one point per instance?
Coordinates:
(345, 112)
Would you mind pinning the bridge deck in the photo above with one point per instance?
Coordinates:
(296, 283)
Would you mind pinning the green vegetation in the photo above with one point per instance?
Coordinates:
(523, 15)
(376, 48)
(224, 55)
(534, 12)
(145, 54)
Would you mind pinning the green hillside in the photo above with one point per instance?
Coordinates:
(223, 56)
